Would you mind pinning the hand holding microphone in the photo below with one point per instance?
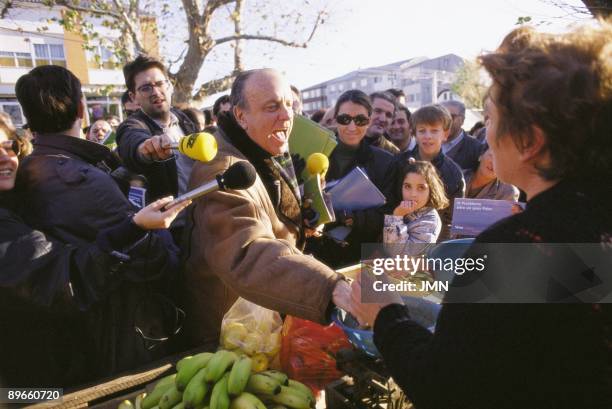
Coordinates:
(240, 175)
(201, 146)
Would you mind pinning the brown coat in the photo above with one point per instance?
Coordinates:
(241, 244)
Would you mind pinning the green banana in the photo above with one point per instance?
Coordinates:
(239, 375)
(218, 364)
(138, 400)
(166, 380)
(195, 391)
(219, 399)
(179, 406)
(263, 385)
(282, 378)
(292, 398)
(293, 384)
(153, 398)
(190, 367)
(278, 407)
(182, 361)
(247, 401)
(170, 398)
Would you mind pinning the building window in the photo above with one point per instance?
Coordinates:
(354, 84)
(364, 82)
(14, 59)
(340, 87)
(14, 111)
(101, 58)
(305, 94)
(46, 54)
(333, 87)
(376, 80)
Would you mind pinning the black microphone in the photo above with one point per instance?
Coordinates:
(240, 175)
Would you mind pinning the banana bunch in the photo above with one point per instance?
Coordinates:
(224, 380)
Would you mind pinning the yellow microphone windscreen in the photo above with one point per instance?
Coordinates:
(317, 163)
(200, 146)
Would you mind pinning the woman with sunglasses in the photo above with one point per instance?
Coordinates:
(352, 113)
(45, 285)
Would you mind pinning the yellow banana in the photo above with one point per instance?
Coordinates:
(196, 389)
(153, 398)
(239, 375)
(219, 399)
(170, 398)
(138, 400)
(247, 401)
(292, 398)
(218, 364)
(126, 404)
(260, 384)
(282, 378)
(190, 367)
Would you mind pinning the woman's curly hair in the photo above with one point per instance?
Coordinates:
(563, 85)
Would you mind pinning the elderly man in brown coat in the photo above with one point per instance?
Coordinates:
(246, 243)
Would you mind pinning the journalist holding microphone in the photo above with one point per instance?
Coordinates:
(146, 137)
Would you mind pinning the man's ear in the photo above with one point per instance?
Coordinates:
(446, 133)
(536, 148)
(240, 117)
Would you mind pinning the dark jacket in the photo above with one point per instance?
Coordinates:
(466, 153)
(452, 177)
(383, 143)
(512, 355)
(161, 176)
(65, 190)
(367, 224)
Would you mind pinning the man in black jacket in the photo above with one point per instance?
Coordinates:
(144, 138)
(66, 192)
(459, 146)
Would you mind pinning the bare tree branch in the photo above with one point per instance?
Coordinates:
(129, 24)
(318, 22)
(91, 10)
(237, 16)
(5, 8)
(179, 58)
(214, 86)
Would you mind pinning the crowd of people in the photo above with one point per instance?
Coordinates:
(93, 283)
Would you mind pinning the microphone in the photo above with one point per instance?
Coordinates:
(200, 146)
(317, 163)
(241, 175)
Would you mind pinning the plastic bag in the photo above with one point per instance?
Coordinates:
(254, 330)
(308, 351)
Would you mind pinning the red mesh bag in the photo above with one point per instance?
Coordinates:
(308, 351)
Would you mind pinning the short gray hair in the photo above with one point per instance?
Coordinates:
(455, 104)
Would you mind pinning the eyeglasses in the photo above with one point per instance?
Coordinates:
(12, 148)
(147, 89)
(360, 120)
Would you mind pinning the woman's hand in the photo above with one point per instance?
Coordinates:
(404, 208)
(155, 217)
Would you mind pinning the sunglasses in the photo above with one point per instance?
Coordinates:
(11, 147)
(360, 120)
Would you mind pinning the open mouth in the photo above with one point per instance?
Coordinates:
(280, 135)
(6, 172)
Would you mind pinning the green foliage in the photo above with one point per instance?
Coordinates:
(469, 85)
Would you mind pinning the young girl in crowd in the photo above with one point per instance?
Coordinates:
(416, 219)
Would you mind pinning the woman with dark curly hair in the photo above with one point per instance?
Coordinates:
(549, 133)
